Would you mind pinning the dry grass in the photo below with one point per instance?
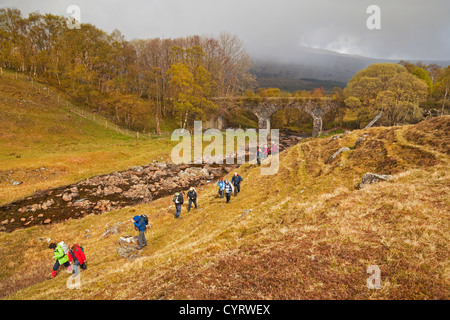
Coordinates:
(38, 131)
(311, 233)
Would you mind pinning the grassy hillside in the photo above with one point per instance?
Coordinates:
(311, 234)
(37, 130)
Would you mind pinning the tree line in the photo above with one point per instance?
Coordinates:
(162, 84)
(141, 84)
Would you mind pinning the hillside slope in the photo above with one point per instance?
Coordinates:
(311, 232)
(43, 144)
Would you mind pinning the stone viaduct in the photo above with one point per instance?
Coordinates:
(264, 108)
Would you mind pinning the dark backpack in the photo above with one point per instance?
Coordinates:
(178, 198)
(143, 216)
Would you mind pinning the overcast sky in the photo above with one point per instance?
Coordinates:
(410, 29)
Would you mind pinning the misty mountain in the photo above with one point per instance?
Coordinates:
(304, 68)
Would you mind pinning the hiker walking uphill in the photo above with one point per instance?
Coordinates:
(274, 148)
(265, 152)
(77, 259)
(192, 197)
(221, 185)
(258, 156)
(178, 200)
(140, 224)
(60, 251)
(236, 181)
(228, 188)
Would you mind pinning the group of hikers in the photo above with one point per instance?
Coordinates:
(74, 258)
(226, 187)
(264, 153)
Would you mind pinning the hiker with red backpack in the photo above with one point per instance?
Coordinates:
(77, 259)
(60, 251)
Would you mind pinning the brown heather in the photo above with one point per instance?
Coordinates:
(311, 233)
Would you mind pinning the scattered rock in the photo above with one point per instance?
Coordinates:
(113, 230)
(134, 257)
(47, 204)
(369, 178)
(125, 252)
(337, 153)
(127, 240)
(47, 221)
(359, 142)
(67, 197)
(245, 212)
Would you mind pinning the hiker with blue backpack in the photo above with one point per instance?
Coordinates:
(140, 223)
(221, 185)
(60, 252)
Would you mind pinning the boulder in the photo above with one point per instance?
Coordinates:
(138, 191)
(128, 240)
(125, 252)
(67, 197)
(47, 204)
(369, 178)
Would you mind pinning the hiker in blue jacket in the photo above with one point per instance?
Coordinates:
(139, 223)
(221, 185)
(236, 181)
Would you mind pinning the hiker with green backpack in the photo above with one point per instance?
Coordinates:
(60, 252)
(178, 200)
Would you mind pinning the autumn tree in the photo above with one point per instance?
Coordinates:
(191, 84)
(442, 88)
(389, 89)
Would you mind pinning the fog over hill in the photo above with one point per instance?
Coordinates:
(278, 64)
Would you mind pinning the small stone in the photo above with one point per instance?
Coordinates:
(369, 178)
(67, 197)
